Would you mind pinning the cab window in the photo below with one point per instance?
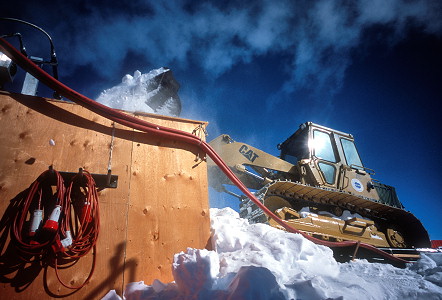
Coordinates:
(351, 153)
(322, 146)
(295, 148)
(328, 171)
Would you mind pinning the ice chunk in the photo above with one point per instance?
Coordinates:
(154, 92)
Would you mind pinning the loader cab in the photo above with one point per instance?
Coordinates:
(329, 155)
(329, 158)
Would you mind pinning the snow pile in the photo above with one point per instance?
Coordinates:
(346, 214)
(153, 92)
(260, 262)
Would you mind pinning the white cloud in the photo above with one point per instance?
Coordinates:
(316, 36)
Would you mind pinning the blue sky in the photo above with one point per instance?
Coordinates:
(258, 70)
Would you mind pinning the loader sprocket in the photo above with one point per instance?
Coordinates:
(395, 238)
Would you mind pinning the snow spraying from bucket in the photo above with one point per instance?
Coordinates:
(153, 92)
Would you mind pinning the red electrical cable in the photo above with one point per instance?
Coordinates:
(67, 224)
(80, 227)
(84, 225)
(37, 245)
(135, 123)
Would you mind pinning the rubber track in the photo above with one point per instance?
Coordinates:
(410, 225)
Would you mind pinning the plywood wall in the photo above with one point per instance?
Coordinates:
(159, 208)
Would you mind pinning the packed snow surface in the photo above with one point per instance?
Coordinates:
(134, 94)
(256, 261)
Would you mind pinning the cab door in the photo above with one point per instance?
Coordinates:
(325, 157)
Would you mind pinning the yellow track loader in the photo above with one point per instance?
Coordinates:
(320, 186)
